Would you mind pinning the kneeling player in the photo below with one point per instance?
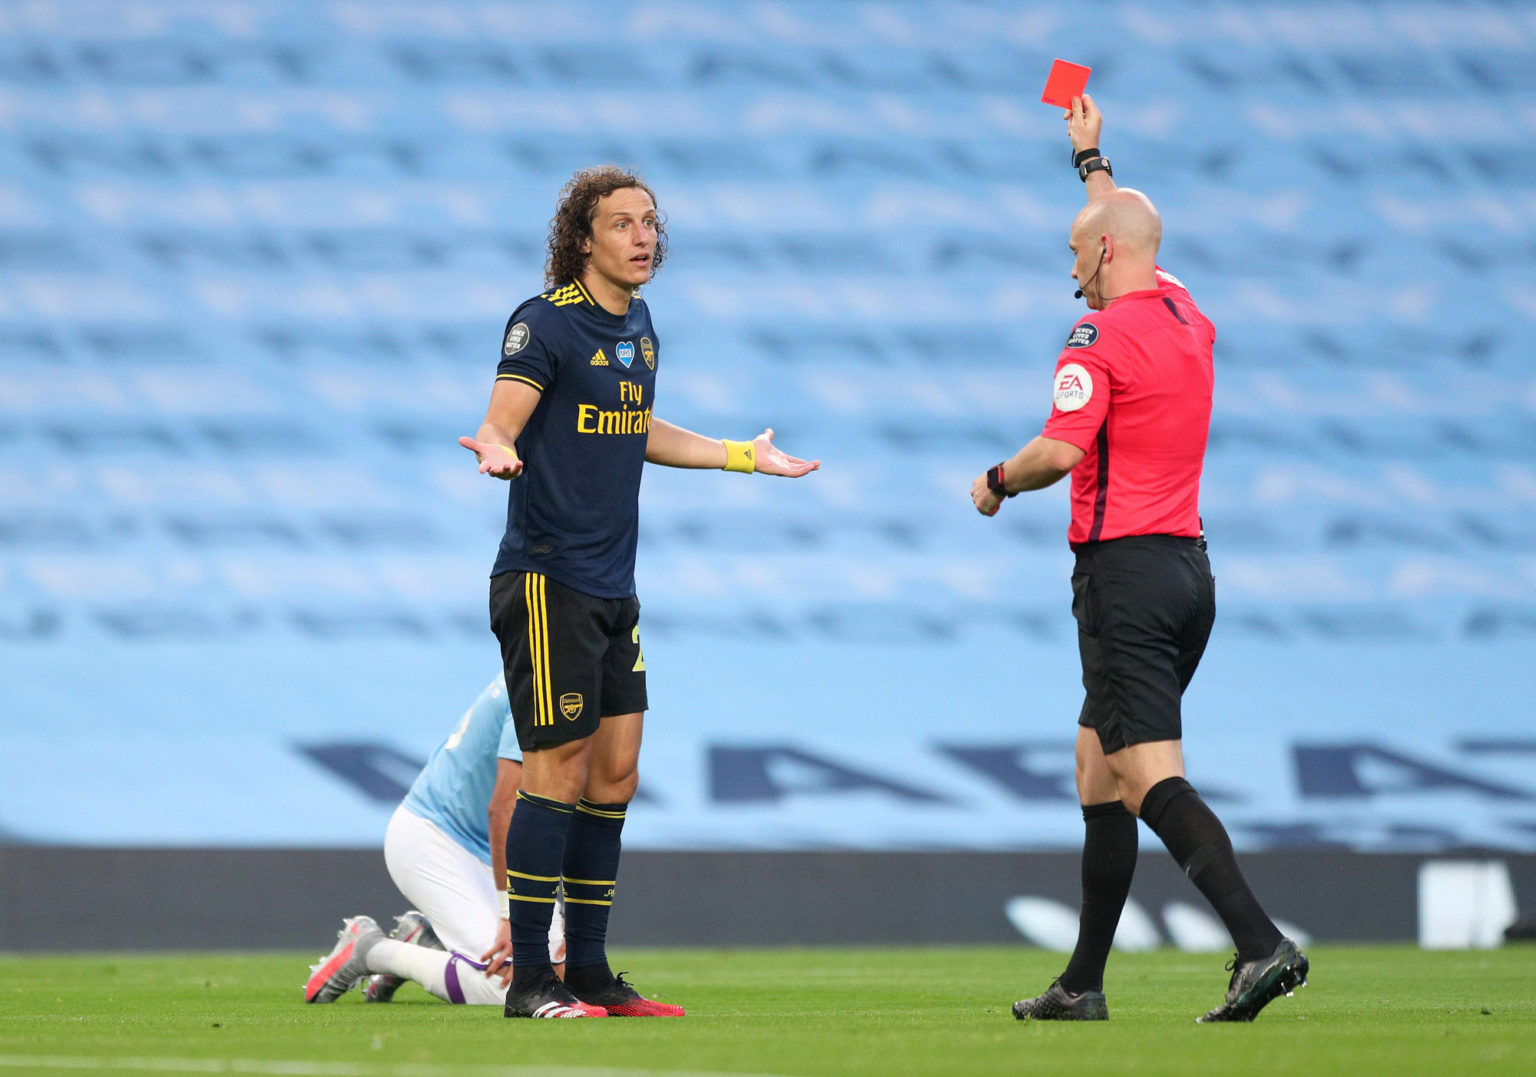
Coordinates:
(441, 853)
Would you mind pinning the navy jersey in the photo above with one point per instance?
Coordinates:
(574, 513)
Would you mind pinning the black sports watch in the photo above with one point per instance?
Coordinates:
(1092, 165)
(995, 481)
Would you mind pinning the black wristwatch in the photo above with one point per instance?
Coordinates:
(1092, 165)
(995, 481)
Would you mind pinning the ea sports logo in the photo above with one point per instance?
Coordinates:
(1074, 387)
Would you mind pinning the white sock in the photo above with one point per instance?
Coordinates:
(448, 976)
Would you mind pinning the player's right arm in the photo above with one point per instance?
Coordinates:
(512, 402)
(1085, 125)
(509, 777)
(535, 338)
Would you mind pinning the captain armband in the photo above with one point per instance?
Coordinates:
(739, 456)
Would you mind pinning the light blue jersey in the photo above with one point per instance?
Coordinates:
(453, 790)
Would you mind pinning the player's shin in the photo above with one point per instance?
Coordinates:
(591, 874)
(448, 976)
(536, 841)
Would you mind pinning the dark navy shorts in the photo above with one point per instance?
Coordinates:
(571, 659)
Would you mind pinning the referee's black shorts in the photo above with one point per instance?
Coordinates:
(571, 659)
(1144, 606)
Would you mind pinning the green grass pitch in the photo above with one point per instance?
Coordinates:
(1368, 1010)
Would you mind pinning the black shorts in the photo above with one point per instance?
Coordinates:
(571, 659)
(1144, 606)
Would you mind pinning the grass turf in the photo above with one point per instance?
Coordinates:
(1375, 1010)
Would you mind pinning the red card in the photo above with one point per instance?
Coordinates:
(1066, 81)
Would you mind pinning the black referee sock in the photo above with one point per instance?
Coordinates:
(591, 875)
(1202, 848)
(1109, 861)
(536, 842)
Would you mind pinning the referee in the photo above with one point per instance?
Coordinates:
(571, 425)
(1130, 414)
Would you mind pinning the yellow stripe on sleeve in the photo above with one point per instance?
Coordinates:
(519, 377)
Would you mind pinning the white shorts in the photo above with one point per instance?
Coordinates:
(452, 887)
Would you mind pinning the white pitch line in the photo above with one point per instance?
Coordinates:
(305, 1068)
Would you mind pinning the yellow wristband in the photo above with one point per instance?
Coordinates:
(738, 456)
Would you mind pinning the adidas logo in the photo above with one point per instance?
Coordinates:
(599, 359)
(559, 1009)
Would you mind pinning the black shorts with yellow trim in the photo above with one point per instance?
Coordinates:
(571, 659)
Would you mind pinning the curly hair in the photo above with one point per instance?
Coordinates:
(572, 222)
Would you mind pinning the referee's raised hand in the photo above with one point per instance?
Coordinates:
(1084, 123)
(498, 460)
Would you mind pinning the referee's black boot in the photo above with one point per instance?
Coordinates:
(1057, 1005)
(1255, 983)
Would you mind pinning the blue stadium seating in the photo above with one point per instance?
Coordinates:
(255, 261)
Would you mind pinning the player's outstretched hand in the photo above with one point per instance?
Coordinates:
(770, 461)
(987, 503)
(498, 959)
(1084, 123)
(497, 460)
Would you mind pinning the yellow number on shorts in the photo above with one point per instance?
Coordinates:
(639, 654)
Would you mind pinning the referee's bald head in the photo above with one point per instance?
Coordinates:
(1127, 215)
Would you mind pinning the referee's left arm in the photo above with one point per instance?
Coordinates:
(1085, 124)
(1037, 465)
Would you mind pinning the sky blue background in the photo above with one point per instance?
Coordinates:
(254, 264)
